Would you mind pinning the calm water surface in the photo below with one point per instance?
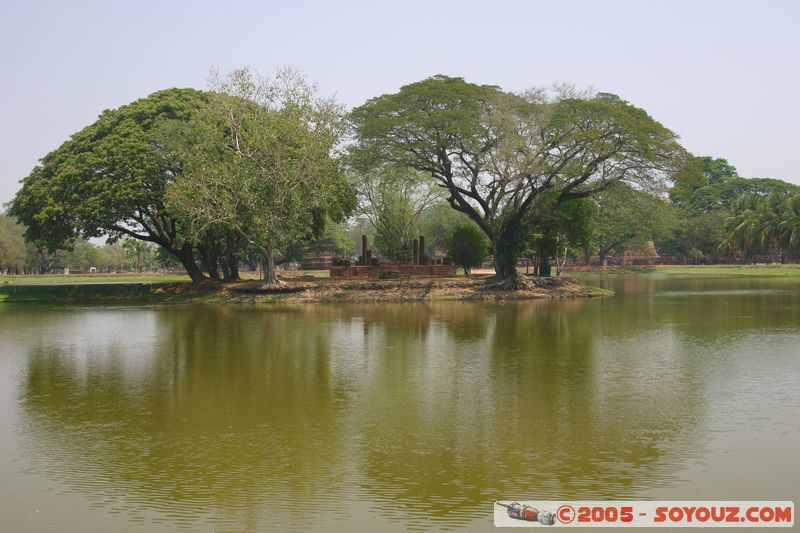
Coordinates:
(396, 416)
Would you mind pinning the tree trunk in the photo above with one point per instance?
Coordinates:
(226, 272)
(270, 272)
(603, 252)
(209, 262)
(545, 269)
(505, 263)
(230, 257)
(186, 257)
(506, 248)
(561, 264)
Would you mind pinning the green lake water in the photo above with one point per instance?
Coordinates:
(396, 417)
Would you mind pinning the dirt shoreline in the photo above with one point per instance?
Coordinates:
(414, 289)
(310, 290)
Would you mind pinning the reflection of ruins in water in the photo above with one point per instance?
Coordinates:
(243, 416)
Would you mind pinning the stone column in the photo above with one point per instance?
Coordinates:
(363, 258)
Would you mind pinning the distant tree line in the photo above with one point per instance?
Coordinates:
(710, 200)
(21, 257)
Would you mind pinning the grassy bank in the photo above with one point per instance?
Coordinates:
(86, 279)
(306, 275)
(62, 292)
(135, 277)
(701, 270)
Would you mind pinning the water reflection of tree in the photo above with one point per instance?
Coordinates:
(429, 411)
(523, 411)
(236, 413)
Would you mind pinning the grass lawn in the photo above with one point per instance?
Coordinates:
(732, 270)
(136, 277)
(153, 277)
(145, 277)
(745, 270)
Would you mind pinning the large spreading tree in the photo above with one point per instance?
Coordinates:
(495, 153)
(109, 179)
(261, 162)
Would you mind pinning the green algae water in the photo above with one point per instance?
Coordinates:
(396, 416)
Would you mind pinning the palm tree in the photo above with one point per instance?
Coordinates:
(762, 223)
(790, 222)
(742, 226)
(769, 212)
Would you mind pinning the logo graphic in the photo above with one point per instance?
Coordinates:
(644, 513)
(529, 514)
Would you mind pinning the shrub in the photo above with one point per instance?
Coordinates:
(467, 246)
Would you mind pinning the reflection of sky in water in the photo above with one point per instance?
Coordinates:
(398, 415)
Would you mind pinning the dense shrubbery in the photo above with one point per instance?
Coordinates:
(467, 246)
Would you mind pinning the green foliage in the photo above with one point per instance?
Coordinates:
(567, 224)
(13, 251)
(356, 228)
(337, 235)
(113, 257)
(110, 178)
(721, 194)
(494, 153)
(702, 234)
(718, 170)
(706, 192)
(138, 253)
(267, 173)
(164, 259)
(393, 200)
(437, 223)
(558, 230)
(687, 180)
(83, 256)
(769, 224)
(706, 184)
(468, 246)
(395, 226)
(626, 216)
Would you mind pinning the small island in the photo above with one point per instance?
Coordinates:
(265, 177)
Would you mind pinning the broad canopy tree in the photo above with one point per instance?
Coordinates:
(495, 153)
(248, 166)
(260, 162)
(109, 179)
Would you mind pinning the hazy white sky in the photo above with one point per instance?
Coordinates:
(723, 74)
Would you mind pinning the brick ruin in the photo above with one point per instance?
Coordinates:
(368, 266)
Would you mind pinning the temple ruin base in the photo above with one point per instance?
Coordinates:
(389, 270)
